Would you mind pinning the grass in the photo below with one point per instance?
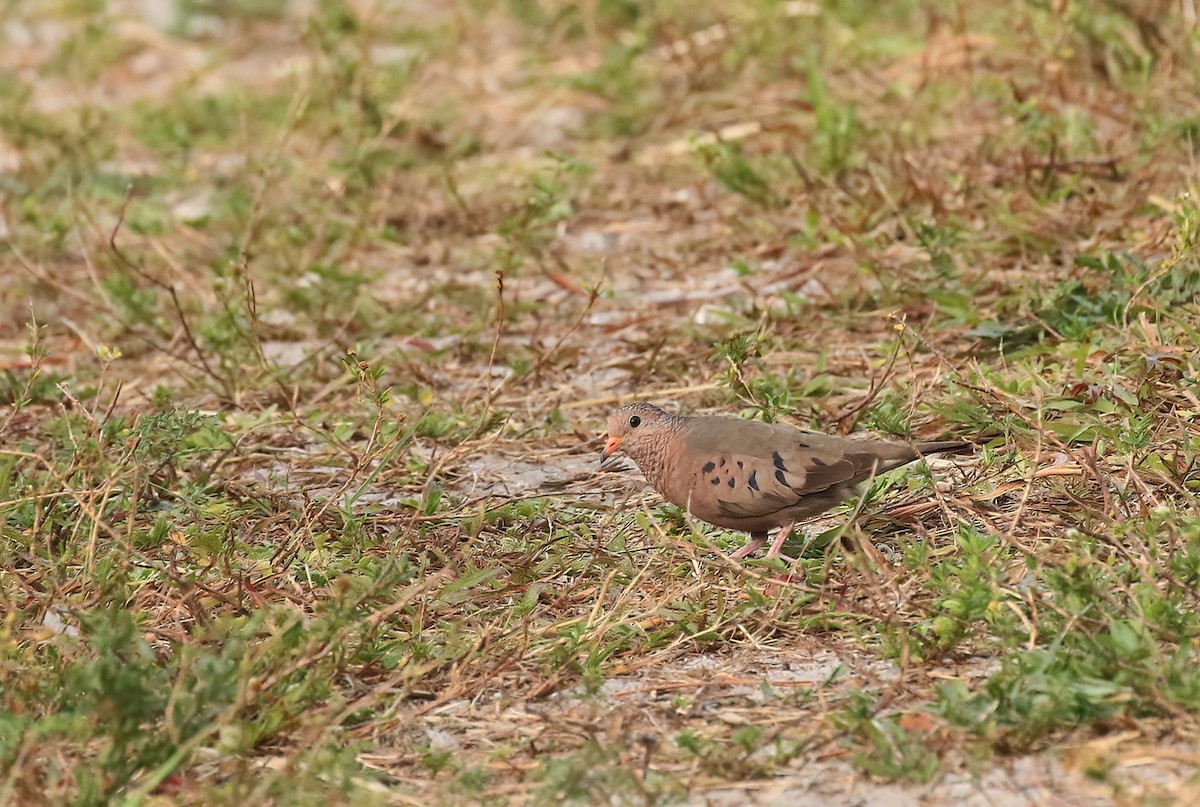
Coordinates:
(311, 322)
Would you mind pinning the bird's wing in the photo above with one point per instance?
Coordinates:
(744, 469)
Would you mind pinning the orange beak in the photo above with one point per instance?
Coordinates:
(611, 446)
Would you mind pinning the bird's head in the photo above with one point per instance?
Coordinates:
(634, 429)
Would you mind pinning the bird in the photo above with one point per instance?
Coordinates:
(748, 475)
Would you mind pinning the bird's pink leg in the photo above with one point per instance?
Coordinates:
(757, 539)
(777, 545)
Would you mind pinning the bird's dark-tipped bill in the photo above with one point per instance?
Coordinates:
(609, 449)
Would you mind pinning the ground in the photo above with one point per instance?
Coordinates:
(313, 312)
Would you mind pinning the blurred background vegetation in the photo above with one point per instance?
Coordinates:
(311, 314)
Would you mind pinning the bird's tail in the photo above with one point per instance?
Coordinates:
(943, 446)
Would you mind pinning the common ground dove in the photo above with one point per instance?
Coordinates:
(748, 475)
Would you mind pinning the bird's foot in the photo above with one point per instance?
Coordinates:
(788, 579)
(751, 546)
(780, 538)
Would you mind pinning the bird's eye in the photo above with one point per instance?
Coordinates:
(634, 422)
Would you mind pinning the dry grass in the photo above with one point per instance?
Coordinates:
(312, 318)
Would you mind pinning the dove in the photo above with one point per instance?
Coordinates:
(752, 476)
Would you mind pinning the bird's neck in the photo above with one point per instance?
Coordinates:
(654, 460)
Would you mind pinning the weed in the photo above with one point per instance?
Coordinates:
(296, 508)
(735, 172)
(528, 232)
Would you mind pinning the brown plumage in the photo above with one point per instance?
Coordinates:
(752, 476)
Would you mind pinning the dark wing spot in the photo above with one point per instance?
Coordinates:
(716, 481)
(778, 460)
(820, 463)
(779, 475)
(741, 464)
(753, 480)
(722, 462)
(709, 467)
(803, 445)
(731, 481)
